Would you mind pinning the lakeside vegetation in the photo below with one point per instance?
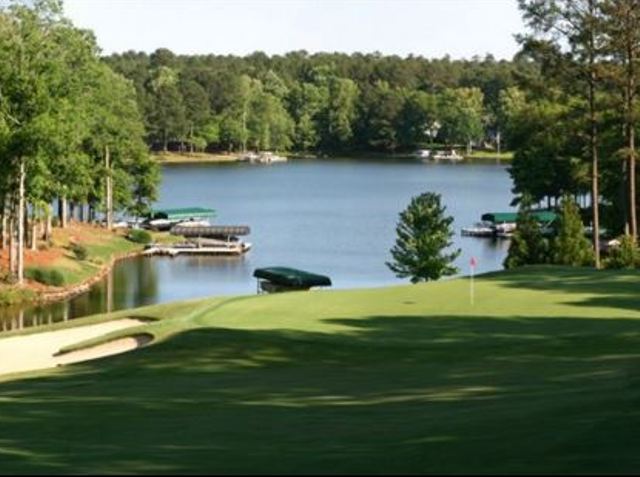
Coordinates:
(171, 157)
(408, 379)
(323, 103)
(59, 267)
(70, 132)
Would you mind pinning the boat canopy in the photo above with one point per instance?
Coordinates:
(210, 230)
(543, 216)
(183, 214)
(292, 277)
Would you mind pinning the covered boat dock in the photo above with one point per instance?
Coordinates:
(187, 213)
(205, 240)
(544, 217)
(278, 279)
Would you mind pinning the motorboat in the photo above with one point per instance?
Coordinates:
(451, 155)
(194, 223)
(267, 158)
(479, 229)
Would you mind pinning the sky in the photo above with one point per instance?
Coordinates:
(430, 28)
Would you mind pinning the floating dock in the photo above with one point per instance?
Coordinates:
(222, 249)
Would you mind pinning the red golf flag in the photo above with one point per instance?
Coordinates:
(473, 262)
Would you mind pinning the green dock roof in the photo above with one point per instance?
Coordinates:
(544, 216)
(292, 277)
(184, 213)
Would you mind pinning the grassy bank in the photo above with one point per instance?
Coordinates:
(539, 376)
(195, 157)
(101, 248)
(503, 156)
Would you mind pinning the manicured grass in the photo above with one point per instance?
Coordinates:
(539, 376)
(503, 156)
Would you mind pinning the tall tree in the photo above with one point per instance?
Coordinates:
(578, 24)
(461, 114)
(622, 18)
(422, 249)
(528, 246)
(570, 247)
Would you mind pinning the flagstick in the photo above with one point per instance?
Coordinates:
(471, 289)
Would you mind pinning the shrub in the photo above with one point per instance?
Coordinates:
(80, 251)
(625, 255)
(55, 278)
(528, 246)
(570, 246)
(139, 236)
(45, 276)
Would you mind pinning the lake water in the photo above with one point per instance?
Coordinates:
(334, 217)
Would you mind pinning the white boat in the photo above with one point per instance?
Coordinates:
(160, 224)
(451, 155)
(505, 229)
(194, 223)
(267, 157)
(480, 229)
(423, 153)
(249, 156)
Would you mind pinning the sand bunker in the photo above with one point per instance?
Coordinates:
(39, 350)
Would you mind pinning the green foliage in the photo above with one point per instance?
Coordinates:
(333, 101)
(46, 276)
(461, 113)
(625, 255)
(424, 234)
(528, 246)
(80, 251)
(570, 246)
(140, 236)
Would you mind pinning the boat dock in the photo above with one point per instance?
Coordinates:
(238, 248)
(204, 240)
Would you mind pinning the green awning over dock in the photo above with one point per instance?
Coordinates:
(292, 277)
(184, 213)
(211, 230)
(543, 216)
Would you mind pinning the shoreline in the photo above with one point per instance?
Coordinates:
(46, 297)
(173, 158)
(37, 295)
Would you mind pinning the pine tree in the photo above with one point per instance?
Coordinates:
(424, 234)
(528, 246)
(571, 247)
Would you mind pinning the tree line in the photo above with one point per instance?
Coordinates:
(575, 122)
(70, 130)
(322, 102)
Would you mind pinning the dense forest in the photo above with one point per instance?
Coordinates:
(323, 102)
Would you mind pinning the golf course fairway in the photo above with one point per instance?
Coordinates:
(540, 375)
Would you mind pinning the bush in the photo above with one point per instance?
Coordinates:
(45, 276)
(139, 236)
(80, 251)
(625, 255)
(528, 246)
(570, 247)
